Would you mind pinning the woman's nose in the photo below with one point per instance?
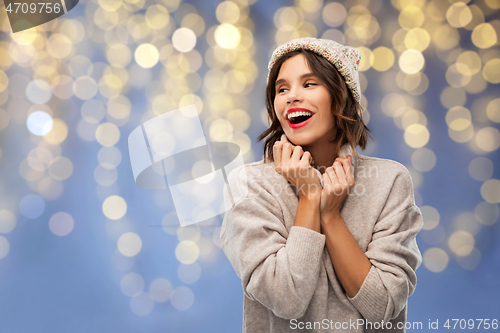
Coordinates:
(294, 95)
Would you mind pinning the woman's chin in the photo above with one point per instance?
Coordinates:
(300, 140)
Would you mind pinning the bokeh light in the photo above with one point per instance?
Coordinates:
(461, 243)
(227, 12)
(486, 213)
(490, 191)
(471, 260)
(160, 290)
(132, 284)
(129, 244)
(382, 58)
(39, 123)
(182, 298)
(60, 168)
(114, 207)
(334, 14)
(7, 221)
(491, 71)
(85, 87)
(146, 55)
(187, 252)
(493, 110)
(423, 159)
(92, 111)
(227, 36)
(484, 36)
(58, 133)
(416, 135)
(32, 206)
(481, 168)
(488, 139)
(61, 224)
(411, 61)
(431, 217)
(4, 247)
(39, 92)
(142, 304)
(184, 40)
(458, 15)
(107, 134)
(435, 259)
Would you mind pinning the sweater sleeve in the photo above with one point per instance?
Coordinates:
(278, 269)
(394, 255)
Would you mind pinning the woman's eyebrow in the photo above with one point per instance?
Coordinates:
(303, 76)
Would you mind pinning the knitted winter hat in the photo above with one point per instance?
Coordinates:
(345, 58)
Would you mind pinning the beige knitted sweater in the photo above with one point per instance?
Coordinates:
(289, 282)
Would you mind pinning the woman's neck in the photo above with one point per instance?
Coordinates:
(323, 154)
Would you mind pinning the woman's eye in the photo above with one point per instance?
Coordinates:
(281, 90)
(312, 84)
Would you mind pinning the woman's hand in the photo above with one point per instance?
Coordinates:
(337, 181)
(295, 165)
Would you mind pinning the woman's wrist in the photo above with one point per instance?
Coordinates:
(330, 217)
(308, 215)
(311, 197)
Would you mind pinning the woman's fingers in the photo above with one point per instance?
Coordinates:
(296, 154)
(332, 175)
(277, 154)
(349, 172)
(339, 171)
(327, 179)
(290, 160)
(306, 158)
(347, 168)
(286, 154)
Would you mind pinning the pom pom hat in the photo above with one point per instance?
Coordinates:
(344, 58)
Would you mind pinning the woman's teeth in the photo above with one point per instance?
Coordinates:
(299, 113)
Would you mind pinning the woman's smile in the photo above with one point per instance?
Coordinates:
(298, 117)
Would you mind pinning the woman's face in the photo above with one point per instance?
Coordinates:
(300, 94)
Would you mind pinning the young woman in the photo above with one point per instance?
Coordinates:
(323, 238)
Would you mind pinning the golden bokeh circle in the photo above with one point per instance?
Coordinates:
(435, 259)
(382, 58)
(490, 191)
(146, 55)
(458, 15)
(58, 133)
(227, 36)
(488, 139)
(484, 36)
(491, 71)
(416, 135)
(411, 17)
(411, 61)
(493, 110)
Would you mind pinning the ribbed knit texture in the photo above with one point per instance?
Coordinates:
(286, 270)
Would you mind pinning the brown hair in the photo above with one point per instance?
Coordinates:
(345, 108)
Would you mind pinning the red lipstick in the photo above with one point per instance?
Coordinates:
(299, 124)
